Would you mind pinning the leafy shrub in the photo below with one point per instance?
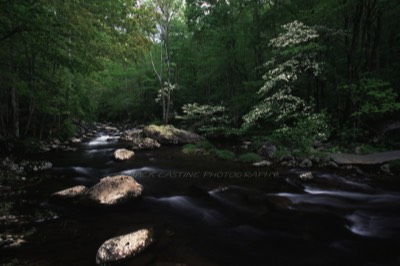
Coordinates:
(225, 154)
(250, 157)
(210, 120)
(189, 149)
(201, 148)
(304, 132)
(69, 129)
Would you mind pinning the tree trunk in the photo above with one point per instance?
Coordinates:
(30, 118)
(14, 104)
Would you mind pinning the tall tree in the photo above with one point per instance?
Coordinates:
(167, 11)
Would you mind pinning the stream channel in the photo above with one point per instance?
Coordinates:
(209, 212)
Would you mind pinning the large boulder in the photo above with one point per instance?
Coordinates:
(123, 154)
(171, 135)
(145, 144)
(70, 193)
(112, 190)
(125, 246)
(130, 134)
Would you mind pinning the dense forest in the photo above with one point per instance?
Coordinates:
(294, 71)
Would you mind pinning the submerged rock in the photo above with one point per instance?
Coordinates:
(125, 246)
(123, 154)
(69, 193)
(171, 135)
(112, 190)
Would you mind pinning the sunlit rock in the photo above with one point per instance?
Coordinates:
(131, 134)
(123, 154)
(263, 163)
(124, 246)
(113, 190)
(171, 135)
(306, 176)
(145, 144)
(69, 193)
(75, 140)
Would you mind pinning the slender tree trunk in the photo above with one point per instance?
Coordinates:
(168, 61)
(352, 44)
(3, 126)
(127, 91)
(30, 118)
(15, 108)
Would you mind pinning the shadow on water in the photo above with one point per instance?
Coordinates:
(210, 212)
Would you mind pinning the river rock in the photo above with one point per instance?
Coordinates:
(131, 134)
(306, 163)
(386, 168)
(145, 144)
(69, 193)
(112, 190)
(125, 246)
(75, 140)
(268, 150)
(306, 176)
(171, 135)
(262, 163)
(123, 154)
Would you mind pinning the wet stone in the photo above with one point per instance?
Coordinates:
(125, 246)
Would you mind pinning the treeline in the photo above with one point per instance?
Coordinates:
(50, 53)
(285, 68)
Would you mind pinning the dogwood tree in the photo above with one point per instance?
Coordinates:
(295, 56)
(295, 52)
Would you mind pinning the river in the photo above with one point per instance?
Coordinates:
(210, 212)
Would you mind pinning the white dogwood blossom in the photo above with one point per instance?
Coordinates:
(295, 53)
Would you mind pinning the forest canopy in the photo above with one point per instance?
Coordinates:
(290, 69)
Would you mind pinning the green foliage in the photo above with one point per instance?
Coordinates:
(225, 154)
(201, 148)
(189, 149)
(205, 148)
(250, 157)
(210, 120)
(293, 56)
(304, 132)
(69, 130)
(374, 97)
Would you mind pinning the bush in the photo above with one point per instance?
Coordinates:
(201, 148)
(304, 132)
(250, 157)
(225, 154)
(189, 149)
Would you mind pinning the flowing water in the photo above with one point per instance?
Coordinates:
(210, 212)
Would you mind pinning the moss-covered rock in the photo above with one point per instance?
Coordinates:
(171, 135)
